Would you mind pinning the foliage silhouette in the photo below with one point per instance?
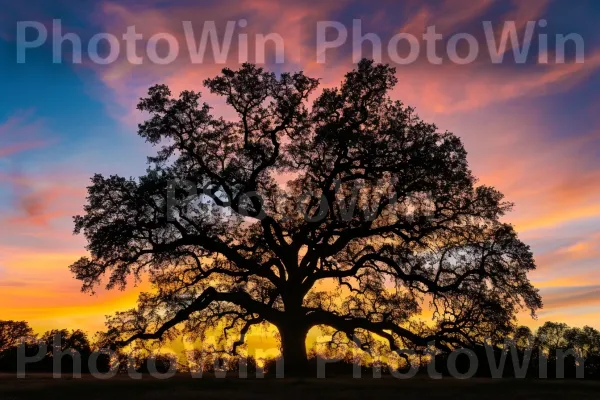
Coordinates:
(380, 217)
(11, 332)
(69, 342)
(585, 342)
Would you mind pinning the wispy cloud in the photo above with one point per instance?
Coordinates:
(21, 132)
(565, 297)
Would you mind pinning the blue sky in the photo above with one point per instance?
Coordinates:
(531, 130)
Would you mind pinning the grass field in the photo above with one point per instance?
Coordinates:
(183, 387)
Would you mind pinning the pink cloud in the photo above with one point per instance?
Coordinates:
(293, 21)
(19, 147)
(572, 297)
(444, 89)
(454, 88)
(40, 199)
(21, 132)
(447, 16)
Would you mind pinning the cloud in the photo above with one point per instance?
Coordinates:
(455, 88)
(581, 250)
(447, 16)
(41, 198)
(4, 283)
(127, 82)
(443, 89)
(567, 297)
(20, 132)
(19, 147)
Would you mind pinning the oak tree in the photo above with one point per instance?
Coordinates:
(348, 213)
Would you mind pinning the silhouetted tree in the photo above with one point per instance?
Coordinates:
(380, 216)
(523, 337)
(11, 332)
(161, 363)
(66, 343)
(75, 339)
(586, 340)
(551, 336)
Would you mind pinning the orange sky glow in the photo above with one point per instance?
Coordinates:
(509, 119)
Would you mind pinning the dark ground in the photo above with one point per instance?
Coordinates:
(183, 387)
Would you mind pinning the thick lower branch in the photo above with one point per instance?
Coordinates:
(210, 295)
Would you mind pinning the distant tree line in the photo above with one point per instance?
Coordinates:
(74, 347)
(554, 350)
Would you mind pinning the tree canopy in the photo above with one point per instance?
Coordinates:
(13, 331)
(351, 213)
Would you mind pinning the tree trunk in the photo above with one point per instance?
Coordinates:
(293, 349)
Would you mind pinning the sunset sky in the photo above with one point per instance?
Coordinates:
(532, 130)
